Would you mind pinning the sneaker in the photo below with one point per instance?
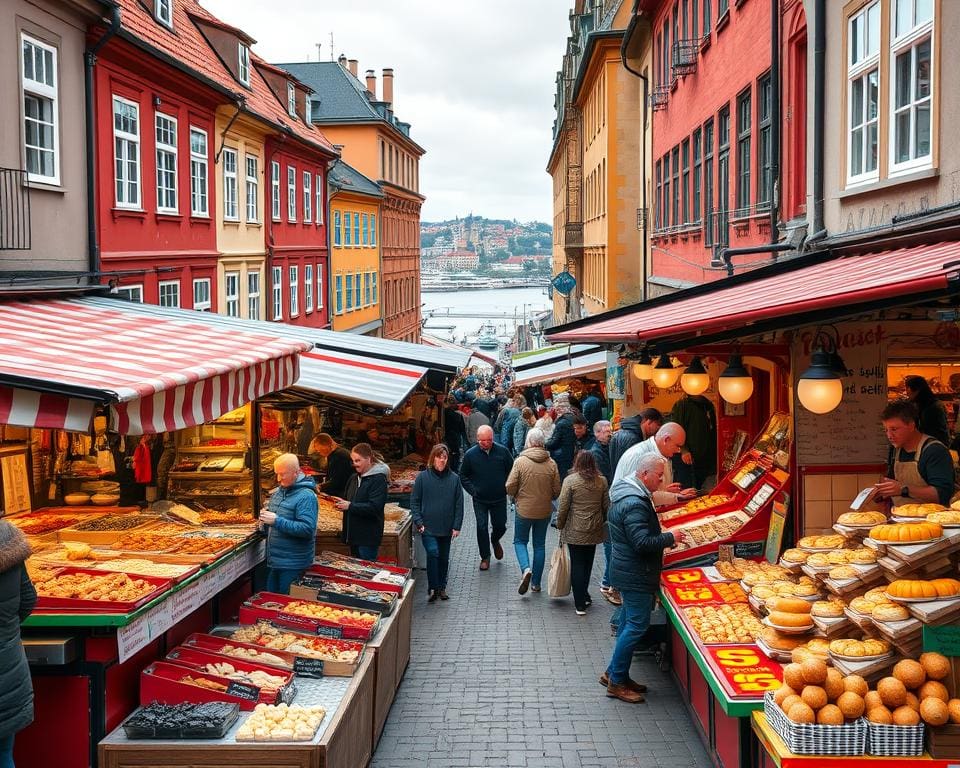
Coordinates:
(623, 693)
(581, 612)
(589, 601)
(497, 550)
(444, 595)
(433, 596)
(525, 582)
(633, 685)
(535, 588)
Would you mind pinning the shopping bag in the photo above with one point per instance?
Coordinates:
(558, 581)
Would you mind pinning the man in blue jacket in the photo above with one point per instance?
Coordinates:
(483, 474)
(291, 520)
(637, 545)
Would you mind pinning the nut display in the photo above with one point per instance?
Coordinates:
(36, 525)
(114, 523)
(724, 623)
(281, 723)
(116, 587)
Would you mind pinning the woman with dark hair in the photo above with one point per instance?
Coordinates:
(582, 520)
(437, 508)
(933, 414)
(363, 502)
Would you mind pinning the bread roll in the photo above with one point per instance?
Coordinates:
(788, 605)
(792, 620)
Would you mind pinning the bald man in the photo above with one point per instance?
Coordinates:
(290, 518)
(667, 442)
(483, 473)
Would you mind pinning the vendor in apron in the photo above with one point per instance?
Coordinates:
(920, 469)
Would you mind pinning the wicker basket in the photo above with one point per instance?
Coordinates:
(801, 739)
(896, 740)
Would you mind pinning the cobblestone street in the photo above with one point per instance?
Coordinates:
(496, 679)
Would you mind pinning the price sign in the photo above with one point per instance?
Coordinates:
(694, 593)
(243, 691)
(335, 632)
(685, 576)
(744, 670)
(288, 693)
(303, 667)
(945, 640)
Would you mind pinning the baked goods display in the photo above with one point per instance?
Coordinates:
(280, 722)
(947, 518)
(795, 555)
(784, 588)
(184, 545)
(265, 634)
(115, 587)
(827, 609)
(708, 529)
(724, 623)
(253, 654)
(826, 541)
(344, 616)
(916, 510)
(695, 506)
(847, 648)
(889, 612)
(861, 519)
(37, 525)
(255, 677)
(731, 592)
(906, 533)
(918, 589)
(843, 572)
(789, 614)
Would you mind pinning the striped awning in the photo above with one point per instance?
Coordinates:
(556, 363)
(359, 379)
(156, 369)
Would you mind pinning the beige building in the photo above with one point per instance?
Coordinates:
(43, 177)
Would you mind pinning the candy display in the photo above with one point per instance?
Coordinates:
(281, 723)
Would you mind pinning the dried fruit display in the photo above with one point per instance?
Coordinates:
(36, 525)
(281, 723)
(202, 682)
(115, 523)
(185, 721)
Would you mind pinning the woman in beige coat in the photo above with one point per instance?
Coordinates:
(534, 482)
(582, 519)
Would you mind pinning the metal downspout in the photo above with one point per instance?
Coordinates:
(631, 27)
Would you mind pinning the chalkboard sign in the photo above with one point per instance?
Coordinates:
(335, 632)
(243, 691)
(945, 640)
(308, 667)
(748, 548)
(288, 693)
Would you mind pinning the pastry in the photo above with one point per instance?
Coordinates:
(920, 589)
(839, 556)
(842, 572)
(780, 642)
(788, 605)
(916, 510)
(949, 517)
(863, 556)
(791, 620)
(796, 555)
(861, 518)
(827, 609)
(906, 532)
(819, 560)
(858, 648)
(890, 612)
(863, 605)
(807, 541)
(805, 590)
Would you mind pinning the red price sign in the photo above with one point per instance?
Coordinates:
(685, 576)
(745, 671)
(694, 593)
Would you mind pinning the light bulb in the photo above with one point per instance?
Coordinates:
(820, 395)
(695, 380)
(643, 371)
(664, 373)
(735, 383)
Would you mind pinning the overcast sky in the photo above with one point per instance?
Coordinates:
(474, 78)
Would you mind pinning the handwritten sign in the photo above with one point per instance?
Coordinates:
(778, 518)
(304, 667)
(335, 632)
(744, 670)
(243, 691)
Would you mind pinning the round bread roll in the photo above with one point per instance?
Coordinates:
(880, 715)
(912, 701)
(861, 518)
(801, 713)
(788, 605)
(890, 612)
(807, 541)
(830, 715)
(864, 556)
(789, 701)
(856, 684)
(793, 676)
(872, 700)
(843, 572)
(814, 697)
(805, 590)
(814, 671)
(893, 693)
(905, 716)
(862, 605)
(782, 692)
(910, 673)
(792, 620)
(819, 645)
(935, 665)
(827, 609)
(953, 707)
(833, 685)
(934, 711)
(795, 555)
(933, 689)
(819, 560)
(850, 704)
(780, 642)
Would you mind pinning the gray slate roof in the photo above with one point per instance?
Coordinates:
(349, 179)
(338, 95)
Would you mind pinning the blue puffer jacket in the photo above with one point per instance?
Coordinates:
(292, 539)
(636, 558)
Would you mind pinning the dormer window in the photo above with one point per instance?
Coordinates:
(243, 72)
(163, 11)
(291, 100)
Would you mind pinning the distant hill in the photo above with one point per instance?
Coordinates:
(494, 240)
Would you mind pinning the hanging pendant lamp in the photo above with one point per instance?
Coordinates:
(695, 379)
(664, 374)
(643, 367)
(820, 388)
(735, 383)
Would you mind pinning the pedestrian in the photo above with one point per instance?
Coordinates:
(17, 598)
(637, 559)
(475, 421)
(602, 432)
(582, 519)
(544, 421)
(933, 414)
(485, 402)
(583, 434)
(666, 443)
(507, 419)
(437, 508)
(363, 503)
(483, 473)
(290, 517)
(520, 428)
(591, 407)
(339, 465)
(633, 430)
(534, 483)
(454, 432)
(562, 443)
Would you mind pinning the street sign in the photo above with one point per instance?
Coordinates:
(564, 283)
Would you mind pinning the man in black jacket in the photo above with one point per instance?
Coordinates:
(339, 464)
(636, 561)
(454, 432)
(483, 474)
(633, 430)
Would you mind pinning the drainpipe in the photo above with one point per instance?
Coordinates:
(775, 117)
(819, 110)
(89, 60)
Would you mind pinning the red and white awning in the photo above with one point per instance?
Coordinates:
(157, 369)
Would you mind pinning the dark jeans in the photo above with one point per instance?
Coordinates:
(6, 751)
(634, 621)
(363, 552)
(492, 532)
(581, 565)
(438, 559)
(279, 581)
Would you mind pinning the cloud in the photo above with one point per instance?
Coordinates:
(475, 78)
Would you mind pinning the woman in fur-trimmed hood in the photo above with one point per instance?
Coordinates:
(17, 598)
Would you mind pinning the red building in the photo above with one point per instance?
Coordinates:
(713, 111)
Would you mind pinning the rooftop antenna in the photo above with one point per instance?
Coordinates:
(331, 46)
(319, 46)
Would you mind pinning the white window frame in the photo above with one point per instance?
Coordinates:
(253, 294)
(291, 193)
(252, 188)
(243, 64)
(231, 294)
(168, 284)
(338, 298)
(199, 176)
(42, 91)
(307, 197)
(357, 292)
(231, 203)
(907, 43)
(165, 153)
(318, 213)
(201, 297)
(291, 99)
(129, 141)
(163, 12)
(294, 272)
(367, 296)
(276, 289)
(349, 291)
(319, 286)
(134, 293)
(376, 297)
(860, 64)
(275, 190)
(307, 288)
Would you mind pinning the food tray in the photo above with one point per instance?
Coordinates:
(877, 543)
(108, 536)
(803, 739)
(69, 604)
(213, 644)
(269, 606)
(351, 565)
(895, 740)
(788, 630)
(304, 659)
(161, 682)
(324, 590)
(860, 659)
(198, 658)
(221, 717)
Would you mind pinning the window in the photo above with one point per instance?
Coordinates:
(308, 288)
(744, 127)
(230, 185)
(253, 294)
(319, 211)
(294, 291)
(163, 12)
(722, 7)
(675, 216)
(695, 18)
(337, 240)
(276, 290)
(708, 181)
(253, 188)
(863, 88)
(243, 68)
(707, 22)
(666, 191)
(291, 193)
(201, 294)
(356, 289)
(764, 148)
(166, 132)
(365, 228)
(349, 291)
(132, 293)
(658, 200)
(199, 205)
(373, 281)
(307, 197)
(685, 189)
(367, 299)
(291, 100)
(41, 111)
(697, 174)
(319, 286)
(347, 230)
(373, 229)
(126, 147)
(356, 228)
(169, 293)
(912, 85)
(232, 293)
(275, 190)
(339, 299)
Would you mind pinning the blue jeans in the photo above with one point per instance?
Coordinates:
(634, 621)
(6, 751)
(364, 553)
(607, 550)
(521, 535)
(279, 581)
(438, 560)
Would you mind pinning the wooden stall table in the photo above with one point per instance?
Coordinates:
(384, 651)
(394, 548)
(343, 740)
(404, 618)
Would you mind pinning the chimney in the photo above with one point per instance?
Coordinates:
(352, 65)
(388, 87)
(372, 83)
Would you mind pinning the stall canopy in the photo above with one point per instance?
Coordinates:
(555, 363)
(472, 354)
(382, 384)
(157, 369)
(795, 292)
(444, 360)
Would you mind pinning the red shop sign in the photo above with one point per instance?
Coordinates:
(683, 576)
(694, 593)
(744, 670)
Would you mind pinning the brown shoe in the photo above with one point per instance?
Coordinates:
(623, 693)
(633, 685)
(484, 565)
(497, 550)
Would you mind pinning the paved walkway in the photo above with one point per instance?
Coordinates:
(496, 679)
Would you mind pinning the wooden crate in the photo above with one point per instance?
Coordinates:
(395, 547)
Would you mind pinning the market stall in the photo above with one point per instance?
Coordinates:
(542, 372)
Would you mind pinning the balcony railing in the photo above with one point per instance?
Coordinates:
(659, 97)
(684, 60)
(14, 210)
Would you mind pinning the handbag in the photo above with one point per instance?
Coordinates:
(558, 580)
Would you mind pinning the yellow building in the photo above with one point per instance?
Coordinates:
(355, 261)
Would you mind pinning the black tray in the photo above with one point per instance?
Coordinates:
(230, 714)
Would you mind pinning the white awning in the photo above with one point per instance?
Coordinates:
(358, 379)
(555, 363)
